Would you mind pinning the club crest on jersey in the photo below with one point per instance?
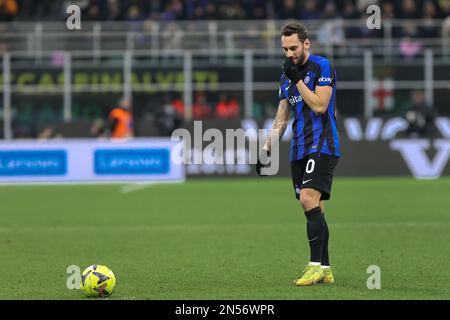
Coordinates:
(295, 99)
(306, 80)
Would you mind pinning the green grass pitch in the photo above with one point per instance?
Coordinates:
(226, 239)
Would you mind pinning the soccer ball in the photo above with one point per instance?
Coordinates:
(97, 281)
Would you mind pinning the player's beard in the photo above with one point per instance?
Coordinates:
(301, 58)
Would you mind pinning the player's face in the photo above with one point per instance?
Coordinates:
(294, 49)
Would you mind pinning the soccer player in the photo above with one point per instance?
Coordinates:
(308, 90)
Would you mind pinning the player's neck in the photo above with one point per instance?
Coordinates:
(306, 59)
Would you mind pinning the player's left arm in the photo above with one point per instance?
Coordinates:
(318, 101)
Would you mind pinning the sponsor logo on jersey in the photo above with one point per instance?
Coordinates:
(323, 79)
(295, 99)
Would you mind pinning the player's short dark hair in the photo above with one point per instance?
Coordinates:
(295, 27)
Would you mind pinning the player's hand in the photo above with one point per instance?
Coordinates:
(292, 71)
(260, 165)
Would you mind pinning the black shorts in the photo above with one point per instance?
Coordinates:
(314, 172)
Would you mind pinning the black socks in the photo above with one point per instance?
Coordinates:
(315, 227)
(326, 235)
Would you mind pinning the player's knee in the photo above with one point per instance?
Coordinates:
(307, 204)
(309, 199)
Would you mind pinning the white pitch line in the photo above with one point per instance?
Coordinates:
(142, 185)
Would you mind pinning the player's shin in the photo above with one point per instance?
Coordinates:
(315, 231)
(326, 235)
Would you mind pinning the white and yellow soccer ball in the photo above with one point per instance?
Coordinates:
(97, 281)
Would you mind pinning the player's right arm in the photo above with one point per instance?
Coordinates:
(280, 123)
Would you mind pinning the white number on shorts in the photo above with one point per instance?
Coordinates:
(310, 165)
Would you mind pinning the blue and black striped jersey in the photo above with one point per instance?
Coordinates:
(312, 132)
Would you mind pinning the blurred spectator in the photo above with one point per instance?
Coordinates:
(227, 108)
(234, 11)
(172, 36)
(329, 10)
(255, 9)
(170, 10)
(211, 11)
(98, 129)
(189, 6)
(121, 120)
(8, 10)
(168, 14)
(178, 106)
(288, 10)
(445, 7)
(177, 8)
(48, 133)
(199, 13)
(93, 13)
(173, 10)
(114, 13)
(429, 30)
(200, 108)
(349, 10)
(309, 10)
(167, 119)
(388, 11)
(409, 10)
(134, 14)
(331, 33)
(409, 46)
(419, 116)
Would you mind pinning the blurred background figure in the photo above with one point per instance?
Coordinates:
(411, 45)
(331, 33)
(168, 118)
(310, 11)
(98, 129)
(200, 108)
(121, 120)
(49, 133)
(178, 106)
(8, 10)
(430, 13)
(227, 108)
(420, 117)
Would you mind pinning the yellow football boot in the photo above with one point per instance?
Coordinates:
(312, 275)
(328, 277)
